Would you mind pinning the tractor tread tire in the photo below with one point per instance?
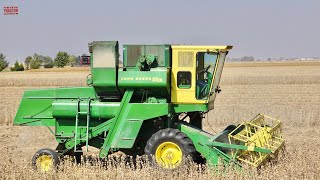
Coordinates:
(173, 135)
(45, 151)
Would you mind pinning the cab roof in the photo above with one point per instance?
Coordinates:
(203, 47)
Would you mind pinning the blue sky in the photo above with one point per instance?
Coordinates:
(287, 28)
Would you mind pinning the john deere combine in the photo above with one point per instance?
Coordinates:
(153, 105)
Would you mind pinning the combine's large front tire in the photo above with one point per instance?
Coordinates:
(45, 160)
(170, 149)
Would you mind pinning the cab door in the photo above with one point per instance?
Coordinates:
(183, 75)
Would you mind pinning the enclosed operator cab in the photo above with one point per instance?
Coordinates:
(196, 72)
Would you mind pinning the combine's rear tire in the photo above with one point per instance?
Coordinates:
(45, 160)
(170, 149)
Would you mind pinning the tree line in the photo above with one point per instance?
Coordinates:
(36, 61)
(244, 58)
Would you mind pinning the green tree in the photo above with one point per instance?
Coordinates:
(61, 59)
(17, 67)
(36, 61)
(72, 60)
(47, 62)
(3, 62)
(27, 62)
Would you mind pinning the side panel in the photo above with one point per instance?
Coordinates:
(105, 58)
(180, 108)
(144, 79)
(36, 105)
(104, 81)
(183, 61)
(136, 113)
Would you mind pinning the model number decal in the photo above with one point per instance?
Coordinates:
(153, 79)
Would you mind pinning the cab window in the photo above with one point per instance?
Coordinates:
(184, 79)
(206, 63)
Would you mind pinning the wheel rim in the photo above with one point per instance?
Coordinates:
(168, 155)
(44, 163)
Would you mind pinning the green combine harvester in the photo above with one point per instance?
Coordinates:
(153, 105)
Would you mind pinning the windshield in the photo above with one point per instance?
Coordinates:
(216, 80)
(206, 63)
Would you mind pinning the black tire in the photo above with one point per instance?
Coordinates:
(174, 136)
(45, 153)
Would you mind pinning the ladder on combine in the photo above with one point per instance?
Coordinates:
(77, 128)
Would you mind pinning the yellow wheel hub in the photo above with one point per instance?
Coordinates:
(168, 155)
(44, 163)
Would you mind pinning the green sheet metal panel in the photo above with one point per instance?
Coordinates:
(202, 141)
(105, 58)
(179, 108)
(36, 105)
(68, 109)
(104, 80)
(131, 123)
(144, 79)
